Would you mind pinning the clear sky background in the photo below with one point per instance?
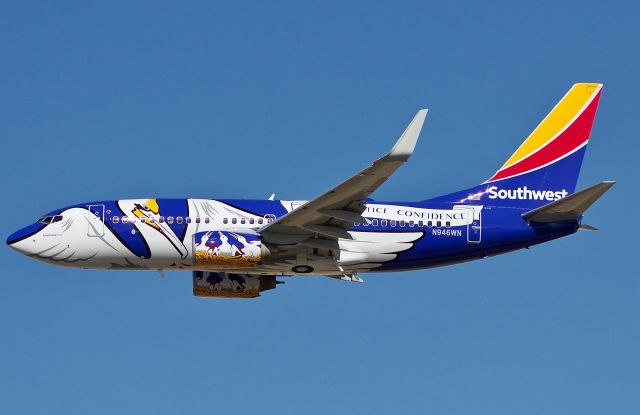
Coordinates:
(199, 99)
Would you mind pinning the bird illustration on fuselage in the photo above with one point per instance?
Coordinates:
(149, 213)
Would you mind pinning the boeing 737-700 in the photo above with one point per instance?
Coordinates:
(237, 248)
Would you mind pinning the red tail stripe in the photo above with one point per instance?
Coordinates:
(570, 139)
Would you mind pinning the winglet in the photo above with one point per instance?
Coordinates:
(407, 141)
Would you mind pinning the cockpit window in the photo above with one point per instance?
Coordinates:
(50, 219)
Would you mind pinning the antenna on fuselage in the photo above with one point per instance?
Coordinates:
(273, 196)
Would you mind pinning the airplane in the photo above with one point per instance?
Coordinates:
(237, 248)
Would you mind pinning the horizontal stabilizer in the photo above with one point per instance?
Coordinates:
(568, 208)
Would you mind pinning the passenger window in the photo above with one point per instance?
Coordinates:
(243, 221)
(197, 220)
(448, 224)
(179, 220)
(115, 219)
(438, 224)
(412, 224)
(402, 223)
(365, 223)
(421, 223)
(125, 219)
(206, 220)
(374, 222)
(429, 224)
(188, 219)
(383, 222)
(393, 223)
(161, 220)
(143, 220)
(234, 220)
(260, 221)
(151, 220)
(170, 220)
(225, 220)
(252, 221)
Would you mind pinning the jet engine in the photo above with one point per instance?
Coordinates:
(222, 284)
(216, 250)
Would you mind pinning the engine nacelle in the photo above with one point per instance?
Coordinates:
(217, 250)
(226, 285)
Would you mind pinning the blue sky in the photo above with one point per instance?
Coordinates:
(105, 101)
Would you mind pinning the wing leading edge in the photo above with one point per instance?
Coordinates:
(327, 217)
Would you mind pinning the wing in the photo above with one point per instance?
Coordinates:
(327, 217)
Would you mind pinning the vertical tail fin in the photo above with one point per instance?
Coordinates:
(546, 165)
(552, 155)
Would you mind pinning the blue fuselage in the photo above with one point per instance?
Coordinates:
(165, 233)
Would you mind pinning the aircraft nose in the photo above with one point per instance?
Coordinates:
(13, 238)
(20, 240)
(16, 244)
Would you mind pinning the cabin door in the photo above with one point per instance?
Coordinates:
(95, 218)
(474, 225)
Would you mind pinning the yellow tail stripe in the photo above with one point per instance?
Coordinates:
(565, 111)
